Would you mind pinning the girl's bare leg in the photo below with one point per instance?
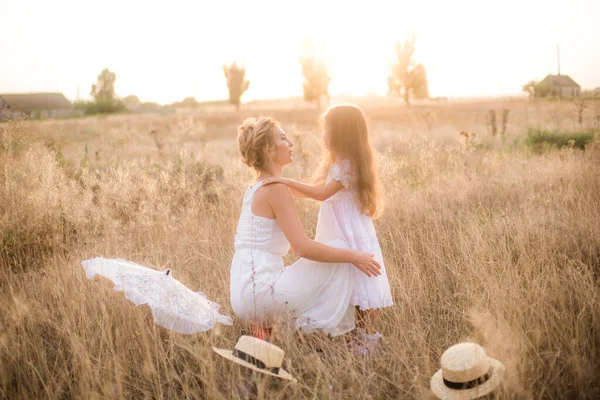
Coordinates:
(368, 320)
(260, 331)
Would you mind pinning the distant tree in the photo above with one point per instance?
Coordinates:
(189, 102)
(236, 83)
(149, 105)
(316, 77)
(103, 93)
(105, 87)
(529, 88)
(80, 105)
(543, 90)
(408, 78)
(185, 103)
(132, 103)
(417, 81)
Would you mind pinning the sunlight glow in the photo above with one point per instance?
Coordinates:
(165, 52)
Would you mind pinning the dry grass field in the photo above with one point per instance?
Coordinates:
(484, 239)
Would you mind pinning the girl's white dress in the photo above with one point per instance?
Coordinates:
(340, 217)
(316, 295)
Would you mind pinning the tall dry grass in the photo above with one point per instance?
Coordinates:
(492, 244)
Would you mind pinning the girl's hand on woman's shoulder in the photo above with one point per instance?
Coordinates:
(270, 181)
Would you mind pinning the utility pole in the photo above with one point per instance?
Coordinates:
(558, 57)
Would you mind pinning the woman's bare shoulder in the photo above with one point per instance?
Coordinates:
(276, 192)
(268, 199)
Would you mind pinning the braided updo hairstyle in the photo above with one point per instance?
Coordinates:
(255, 139)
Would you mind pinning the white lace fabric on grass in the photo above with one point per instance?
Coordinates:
(174, 306)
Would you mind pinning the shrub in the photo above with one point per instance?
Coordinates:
(539, 138)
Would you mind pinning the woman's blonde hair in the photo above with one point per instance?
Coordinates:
(255, 139)
(347, 138)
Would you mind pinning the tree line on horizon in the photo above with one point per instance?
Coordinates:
(407, 79)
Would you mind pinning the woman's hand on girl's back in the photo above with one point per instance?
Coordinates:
(367, 264)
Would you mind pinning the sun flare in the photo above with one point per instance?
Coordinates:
(165, 54)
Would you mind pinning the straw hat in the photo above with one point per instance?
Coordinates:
(258, 355)
(466, 373)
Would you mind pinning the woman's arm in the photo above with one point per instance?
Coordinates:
(282, 205)
(300, 189)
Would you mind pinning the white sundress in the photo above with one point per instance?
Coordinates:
(340, 217)
(316, 295)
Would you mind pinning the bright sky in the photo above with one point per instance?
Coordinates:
(165, 51)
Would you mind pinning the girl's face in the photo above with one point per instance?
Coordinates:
(282, 153)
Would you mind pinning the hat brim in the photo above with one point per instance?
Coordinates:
(444, 392)
(228, 354)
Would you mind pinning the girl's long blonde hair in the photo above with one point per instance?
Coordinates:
(347, 138)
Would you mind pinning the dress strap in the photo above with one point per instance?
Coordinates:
(255, 187)
(250, 192)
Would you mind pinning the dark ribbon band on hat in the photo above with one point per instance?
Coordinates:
(470, 384)
(254, 361)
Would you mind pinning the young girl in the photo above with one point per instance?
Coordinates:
(351, 199)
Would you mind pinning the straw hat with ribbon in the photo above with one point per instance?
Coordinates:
(466, 373)
(258, 355)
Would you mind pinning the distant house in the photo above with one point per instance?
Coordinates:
(17, 105)
(557, 86)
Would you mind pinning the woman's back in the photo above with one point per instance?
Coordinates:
(259, 233)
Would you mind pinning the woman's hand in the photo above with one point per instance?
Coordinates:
(367, 264)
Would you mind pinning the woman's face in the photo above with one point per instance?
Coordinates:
(282, 153)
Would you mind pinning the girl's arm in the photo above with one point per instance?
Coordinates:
(296, 193)
(300, 189)
(282, 205)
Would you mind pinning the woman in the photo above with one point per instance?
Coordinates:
(316, 290)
